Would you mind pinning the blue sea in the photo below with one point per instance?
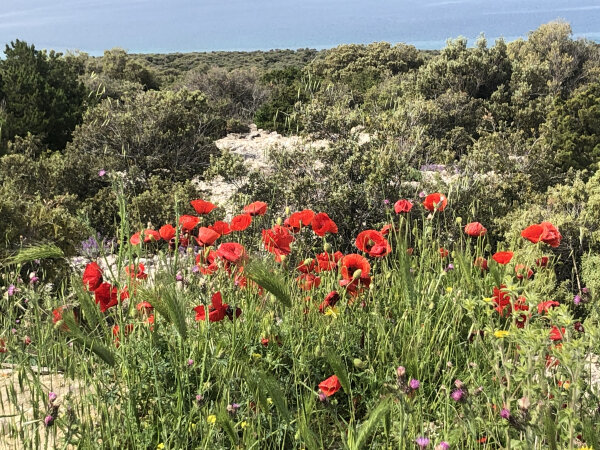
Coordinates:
(144, 26)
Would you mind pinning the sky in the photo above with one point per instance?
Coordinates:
(148, 26)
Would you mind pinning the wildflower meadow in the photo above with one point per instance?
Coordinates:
(268, 330)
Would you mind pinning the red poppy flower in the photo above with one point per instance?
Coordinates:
(385, 230)
(501, 299)
(556, 334)
(301, 219)
(330, 301)
(522, 271)
(136, 238)
(241, 222)
(435, 201)
(106, 296)
(327, 261)
(206, 236)
(202, 206)
(373, 243)
(277, 240)
(188, 223)
(545, 232)
(232, 252)
(140, 274)
(353, 262)
(145, 307)
(208, 265)
(502, 257)
(542, 262)
(92, 276)
(307, 266)
(308, 281)
(322, 224)
(443, 252)
(256, 209)
(57, 314)
(475, 229)
(151, 236)
(481, 262)
(167, 232)
(544, 307)
(115, 331)
(550, 235)
(330, 386)
(217, 310)
(220, 227)
(403, 206)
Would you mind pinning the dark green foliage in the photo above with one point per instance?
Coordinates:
(572, 131)
(286, 87)
(40, 94)
(151, 133)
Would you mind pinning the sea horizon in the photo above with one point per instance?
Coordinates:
(150, 26)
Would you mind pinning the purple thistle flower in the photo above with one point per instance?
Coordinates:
(414, 384)
(505, 413)
(422, 441)
(422, 194)
(585, 290)
(12, 289)
(190, 362)
(178, 277)
(101, 172)
(449, 268)
(322, 397)
(577, 299)
(52, 396)
(199, 398)
(386, 201)
(48, 420)
(457, 395)
(442, 446)
(400, 371)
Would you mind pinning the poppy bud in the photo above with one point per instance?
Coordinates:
(317, 350)
(58, 324)
(287, 211)
(357, 273)
(279, 221)
(458, 220)
(327, 247)
(359, 364)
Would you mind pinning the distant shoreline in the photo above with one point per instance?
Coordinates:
(420, 45)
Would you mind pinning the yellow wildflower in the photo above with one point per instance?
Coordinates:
(332, 311)
(501, 334)
(212, 419)
(244, 425)
(449, 290)
(160, 446)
